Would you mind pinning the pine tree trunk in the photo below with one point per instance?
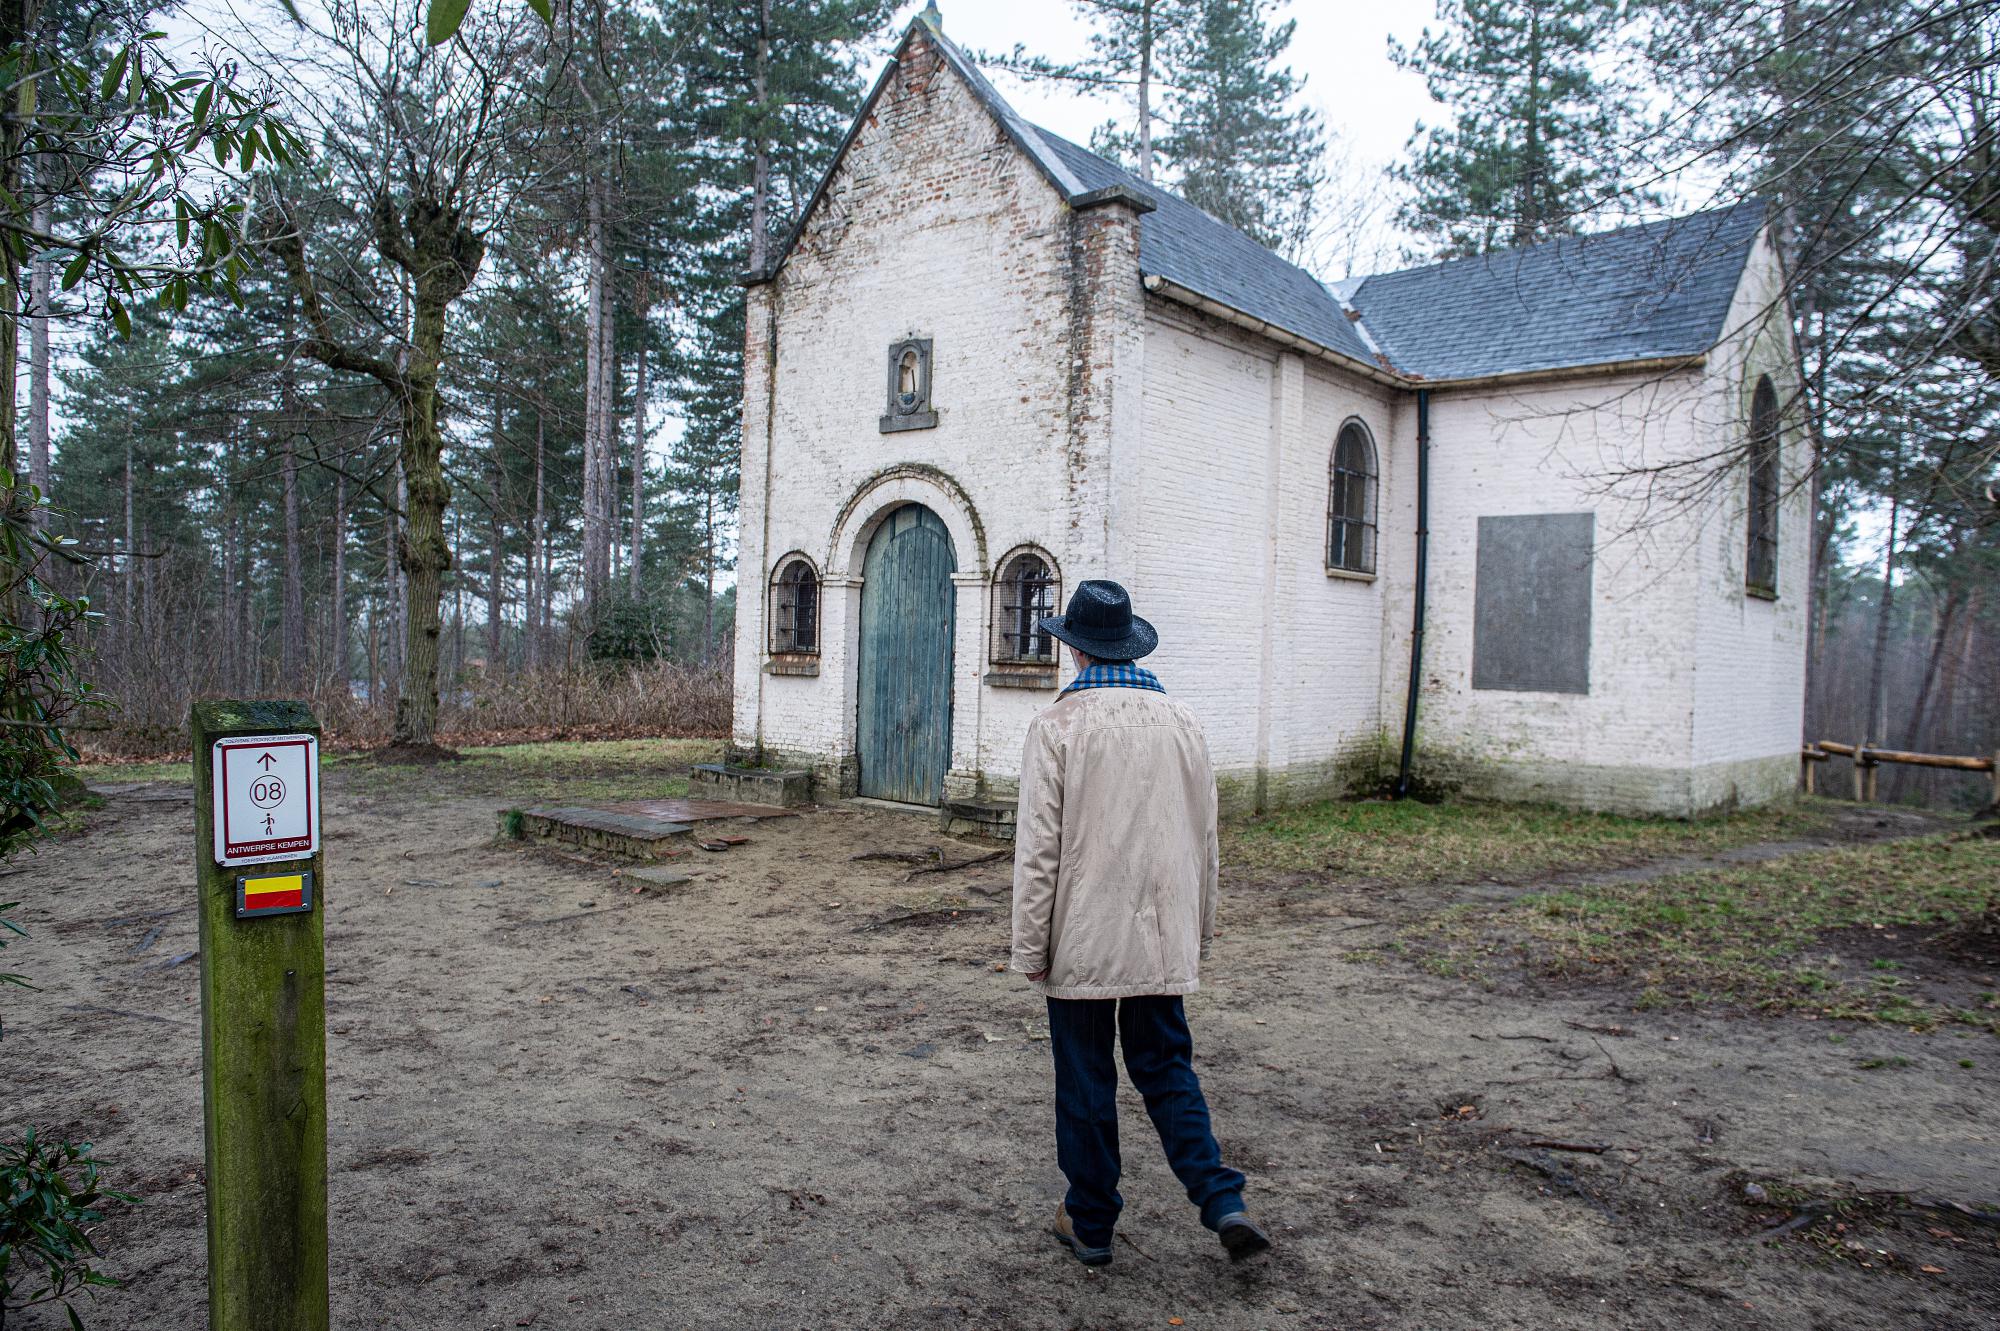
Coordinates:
(1945, 716)
(1146, 90)
(1947, 618)
(1528, 221)
(708, 567)
(494, 595)
(337, 630)
(457, 662)
(595, 538)
(607, 428)
(147, 636)
(292, 615)
(635, 570)
(17, 20)
(537, 608)
(129, 638)
(1877, 702)
(39, 295)
(760, 164)
(232, 640)
(614, 545)
(392, 592)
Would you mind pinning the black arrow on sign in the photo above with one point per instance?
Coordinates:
(265, 761)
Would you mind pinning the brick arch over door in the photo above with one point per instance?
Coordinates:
(889, 489)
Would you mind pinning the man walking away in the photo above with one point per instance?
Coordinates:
(1114, 906)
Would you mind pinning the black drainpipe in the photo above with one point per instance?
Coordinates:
(1417, 615)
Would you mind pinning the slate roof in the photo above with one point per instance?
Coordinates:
(1189, 248)
(1637, 293)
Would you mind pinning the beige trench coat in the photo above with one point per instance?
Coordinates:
(1114, 846)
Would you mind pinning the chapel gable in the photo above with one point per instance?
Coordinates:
(927, 150)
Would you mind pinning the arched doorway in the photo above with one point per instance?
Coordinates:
(903, 731)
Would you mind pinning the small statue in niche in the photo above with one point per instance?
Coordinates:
(909, 405)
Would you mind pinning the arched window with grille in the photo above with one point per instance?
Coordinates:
(1350, 503)
(795, 606)
(1025, 591)
(1761, 561)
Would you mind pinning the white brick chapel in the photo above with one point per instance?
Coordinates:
(988, 364)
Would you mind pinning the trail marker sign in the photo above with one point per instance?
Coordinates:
(266, 798)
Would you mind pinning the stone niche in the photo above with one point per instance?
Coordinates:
(909, 405)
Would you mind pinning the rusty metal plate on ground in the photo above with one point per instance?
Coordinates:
(697, 811)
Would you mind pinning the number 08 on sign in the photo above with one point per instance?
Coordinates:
(266, 798)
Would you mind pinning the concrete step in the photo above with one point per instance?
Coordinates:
(978, 818)
(634, 829)
(784, 787)
(630, 836)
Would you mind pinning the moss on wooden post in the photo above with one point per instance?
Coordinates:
(263, 1067)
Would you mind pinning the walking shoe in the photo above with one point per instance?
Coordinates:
(1089, 1256)
(1241, 1237)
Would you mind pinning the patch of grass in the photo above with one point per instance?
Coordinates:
(1404, 841)
(1749, 936)
(107, 773)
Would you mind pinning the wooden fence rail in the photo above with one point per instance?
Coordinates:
(1867, 759)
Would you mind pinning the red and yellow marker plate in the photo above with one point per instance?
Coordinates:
(274, 894)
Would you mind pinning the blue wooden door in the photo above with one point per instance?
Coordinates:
(904, 728)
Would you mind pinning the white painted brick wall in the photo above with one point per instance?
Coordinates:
(1280, 661)
(1198, 548)
(1329, 681)
(1750, 653)
(935, 227)
(1541, 450)
(1695, 690)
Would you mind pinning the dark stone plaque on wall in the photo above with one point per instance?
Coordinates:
(1531, 607)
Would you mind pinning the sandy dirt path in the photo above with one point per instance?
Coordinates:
(743, 1102)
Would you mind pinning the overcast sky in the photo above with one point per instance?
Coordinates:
(1341, 48)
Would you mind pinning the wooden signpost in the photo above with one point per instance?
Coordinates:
(259, 875)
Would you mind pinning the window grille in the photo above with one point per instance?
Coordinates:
(1761, 563)
(1350, 505)
(1025, 595)
(795, 607)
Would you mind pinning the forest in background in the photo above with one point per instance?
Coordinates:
(470, 276)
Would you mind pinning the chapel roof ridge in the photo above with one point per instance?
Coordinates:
(1573, 240)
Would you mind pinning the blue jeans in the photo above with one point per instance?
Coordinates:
(1158, 1055)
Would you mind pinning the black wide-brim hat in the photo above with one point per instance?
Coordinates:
(1100, 623)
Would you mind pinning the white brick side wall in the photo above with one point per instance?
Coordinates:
(1695, 690)
(1280, 661)
(1547, 450)
(1749, 652)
